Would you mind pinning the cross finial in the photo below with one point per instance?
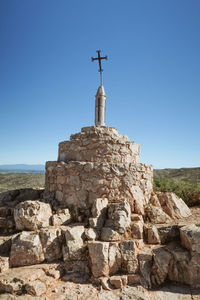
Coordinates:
(99, 58)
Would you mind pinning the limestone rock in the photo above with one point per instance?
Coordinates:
(99, 207)
(174, 206)
(28, 282)
(138, 200)
(119, 216)
(118, 281)
(168, 233)
(128, 256)
(145, 265)
(133, 279)
(108, 235)
(74, 249)
(4, 264)
(91, 234)
(152, 235)
(32, 215)
(36, 288)
(190, 237)
(5, 245)
(105, 283)
(26, 250)
(137, 230)
(154, 200)
(98, 252)
(114, 258)
(161, 264)
(51, 240)
(61, 217)
(156, 215)
(99, 210)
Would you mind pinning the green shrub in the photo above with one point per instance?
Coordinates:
(189, 192)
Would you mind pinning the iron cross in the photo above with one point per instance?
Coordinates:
(99, 58)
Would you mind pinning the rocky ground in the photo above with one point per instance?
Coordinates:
(45, 255)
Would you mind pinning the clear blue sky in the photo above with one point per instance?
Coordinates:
(152, 77)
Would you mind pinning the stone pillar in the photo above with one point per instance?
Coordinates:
(100, 105)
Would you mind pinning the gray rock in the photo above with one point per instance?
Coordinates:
(98, 252)
(26, 250)
(108, 235)
(51, 239)
(32, 215)
(190, 237)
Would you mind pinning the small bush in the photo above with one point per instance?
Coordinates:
(189, 192)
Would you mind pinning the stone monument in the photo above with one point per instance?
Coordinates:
(97, 221)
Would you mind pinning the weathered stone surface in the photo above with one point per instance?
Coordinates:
(114, 258)
(145, 265)
(137, 230)
(91, 234)
(161, 263)
(119, 216)
(99, 210)
(5, 245)
(156, 215)
(26, 250)
(129, 257)
(96, 180)
(61, 217)
(154, 200)
(174, 206)
(51, 240)
(31, 215)
(118, 281)
(133, 279)
(138, 200)
(108, 235)
(75, 248)
(36, 288)
(4, 264)
(15, 279)
(168, 233)
(7, 225)
(152, 235)
(98, 252)
(190, 237)
(99, 144)
(105, 283)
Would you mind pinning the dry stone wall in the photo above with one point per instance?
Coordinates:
(99, 144)
(98, 163)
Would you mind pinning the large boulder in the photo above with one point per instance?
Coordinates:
(32, 215)
(51, 239)
(161, 265)
(61, 217)
(190, 237)
(75, 247)
(174, 206)
(26, 249)
(119, 216)
(156, 215)
(129, 256)
(98, 252)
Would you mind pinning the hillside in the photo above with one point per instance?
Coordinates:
(191, 175)
(16, 181)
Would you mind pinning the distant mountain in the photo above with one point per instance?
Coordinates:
(22, 168)
(183, 174)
